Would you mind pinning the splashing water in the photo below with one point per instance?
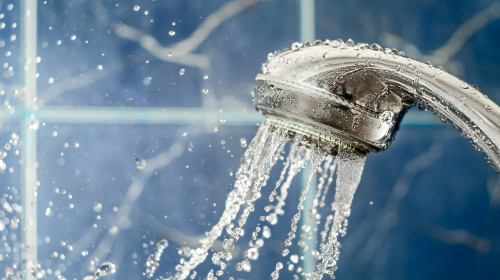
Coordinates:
(262, 154)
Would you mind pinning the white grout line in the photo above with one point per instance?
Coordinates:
(307, 20)
(28, 149)
(138, 115)
(307, 33)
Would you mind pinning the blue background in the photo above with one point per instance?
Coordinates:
(435, 211)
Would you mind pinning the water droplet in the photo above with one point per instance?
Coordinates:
(464, 85)
(205, 91)
(137, 8)
(238, 267)
(266, 232)
(243, 142)
(105, 268)
(253, 254)
(294, 258)
(296, 46)
(488, 108)
(37, 271)
(147, 81)
(140, 163)
(205, 77)
(73, 37)
(285, 252)
(182, 71)
(184, 252)
(376, 47)
(97, 207)
(246, 265)
(34, 124)
(171, 33)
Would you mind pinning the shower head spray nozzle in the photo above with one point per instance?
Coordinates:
(355, 95)
(348, 104)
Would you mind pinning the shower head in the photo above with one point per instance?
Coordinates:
(355, 95)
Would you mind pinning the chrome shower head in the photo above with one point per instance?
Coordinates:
(355, 95)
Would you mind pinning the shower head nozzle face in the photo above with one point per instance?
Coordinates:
(347, 104)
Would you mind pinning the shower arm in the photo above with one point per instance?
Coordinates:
(356, 95)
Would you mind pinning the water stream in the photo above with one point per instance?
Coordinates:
(265, 150)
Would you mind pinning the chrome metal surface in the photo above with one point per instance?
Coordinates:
(356, 95)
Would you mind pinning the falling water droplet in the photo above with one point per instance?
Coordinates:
(97, 207)
(140, 163)
(37, 271)
(205, 77)
(243, 142)
(266, 232)
(285, 252)
(253, 254)
(137, 8)
(105, 268)
(171, 33)
(147, 80)
(238, 267)
(275, 274)
(182, 71)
